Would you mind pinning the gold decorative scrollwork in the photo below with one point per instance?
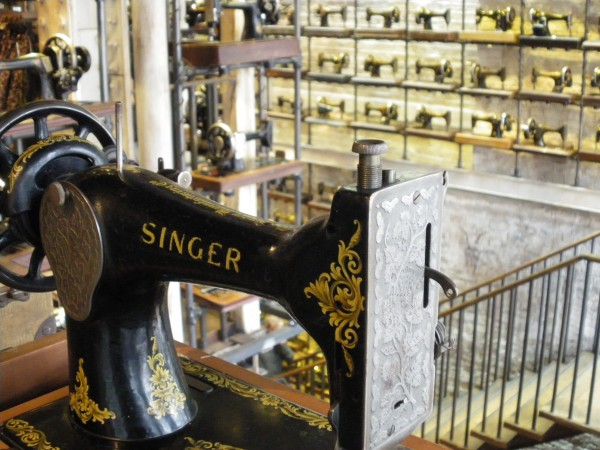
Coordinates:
(166, 396)
(201, 445)
(29, 436)
(247, 391)
(339, 295)
(81, 403)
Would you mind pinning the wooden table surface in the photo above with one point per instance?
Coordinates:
(50, 353)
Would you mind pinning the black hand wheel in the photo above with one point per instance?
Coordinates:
(26, 177)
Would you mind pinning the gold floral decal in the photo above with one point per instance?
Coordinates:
(19, 165)
(167, 398)
(339, 296)
(247, 391)
(200, 445)
(29, 435)
(82, 405)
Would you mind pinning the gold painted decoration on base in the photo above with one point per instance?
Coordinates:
(339, 295)
(247, 391)
(166, 396)
(82, 405)
(29, 436)
(202, 445)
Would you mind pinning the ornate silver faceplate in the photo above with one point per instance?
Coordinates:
(400, 341)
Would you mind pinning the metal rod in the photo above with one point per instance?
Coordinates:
(193, 123)
(456, 393)
(538, 385)
(471, 377)
(524, 352)
(119, 139)
(177, 75)
(102, 51)
(588, 416)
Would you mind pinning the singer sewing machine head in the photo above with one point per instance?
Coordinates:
(595, 81)
(425, 16)
(373, 65)
(541, 21)
(441, 70)
(325, 11)
(535, 131)
(390, 16)
(387, 111)
(499, 124)
(562, 78)
(222, 144)
(479, 75)
(425, 117)
(115, 234)
(282, 101)
(339, 61)
(504, 18)
(325, 107)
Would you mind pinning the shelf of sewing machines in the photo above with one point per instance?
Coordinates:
(538, 83)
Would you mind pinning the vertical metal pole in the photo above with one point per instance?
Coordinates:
(177, 78)
(297, 117)
(102, 51)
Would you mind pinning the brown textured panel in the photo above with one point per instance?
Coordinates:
(71, 237)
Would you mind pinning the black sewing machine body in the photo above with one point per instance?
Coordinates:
(359, 281)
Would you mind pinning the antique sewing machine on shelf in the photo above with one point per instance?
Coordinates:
(540, 21)
(498, 124)
(325, 11)
(115, 234)
(386, 111)
(479, 75)
(391, 15)
(373, 65)
(535, 131)
(561, 78)
(441, 69)
(339, 61)
(425, 16)
(503, 18)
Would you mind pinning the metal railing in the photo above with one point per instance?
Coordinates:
(521, 346)
(308, 374)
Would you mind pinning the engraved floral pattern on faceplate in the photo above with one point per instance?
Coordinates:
(402, 367)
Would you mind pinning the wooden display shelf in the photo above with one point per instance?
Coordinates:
(284, 72)
(550, 151)
(433, 36)
(379, 33)
(488, 37)
(589, 155)
(55, 123)
(329, 32)
(281, 115)
(205, 54)
(591, 45)
(376, 81)
(278, 30)
(484, 92)
(325, 121)
(341, 78)
(430, 86)
(375, 126)
(505, 143)
(548, 97)
(591, 100)
(441, 135)
(564, 42)
(237, 180)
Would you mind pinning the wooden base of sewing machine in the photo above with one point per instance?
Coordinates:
(243, 409)
(505, 143)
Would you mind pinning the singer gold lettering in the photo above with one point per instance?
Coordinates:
(175, 241)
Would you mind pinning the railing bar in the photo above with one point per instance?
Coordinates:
(471, 377)
(499, 338)
(457, 372)
(506, 373)
(488, 370)
(581, 257)
(446, 373)
(439, 410)
(554, 316)
(588, 417)
(586, 287)
(510, 341)
(538, 385)
(563, 337)
(592, 237)
(524, 353)
(569, 305)
(485, 341)
(537, 361)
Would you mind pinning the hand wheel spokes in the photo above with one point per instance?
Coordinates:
(54, 158)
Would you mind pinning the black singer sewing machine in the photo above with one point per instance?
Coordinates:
(359, 281)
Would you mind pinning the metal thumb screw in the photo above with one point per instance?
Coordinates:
(369, 162)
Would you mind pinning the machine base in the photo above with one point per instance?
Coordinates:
(231, 415)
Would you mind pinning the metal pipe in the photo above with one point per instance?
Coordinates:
(524, 352)
(178, 77)
(102, 51)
